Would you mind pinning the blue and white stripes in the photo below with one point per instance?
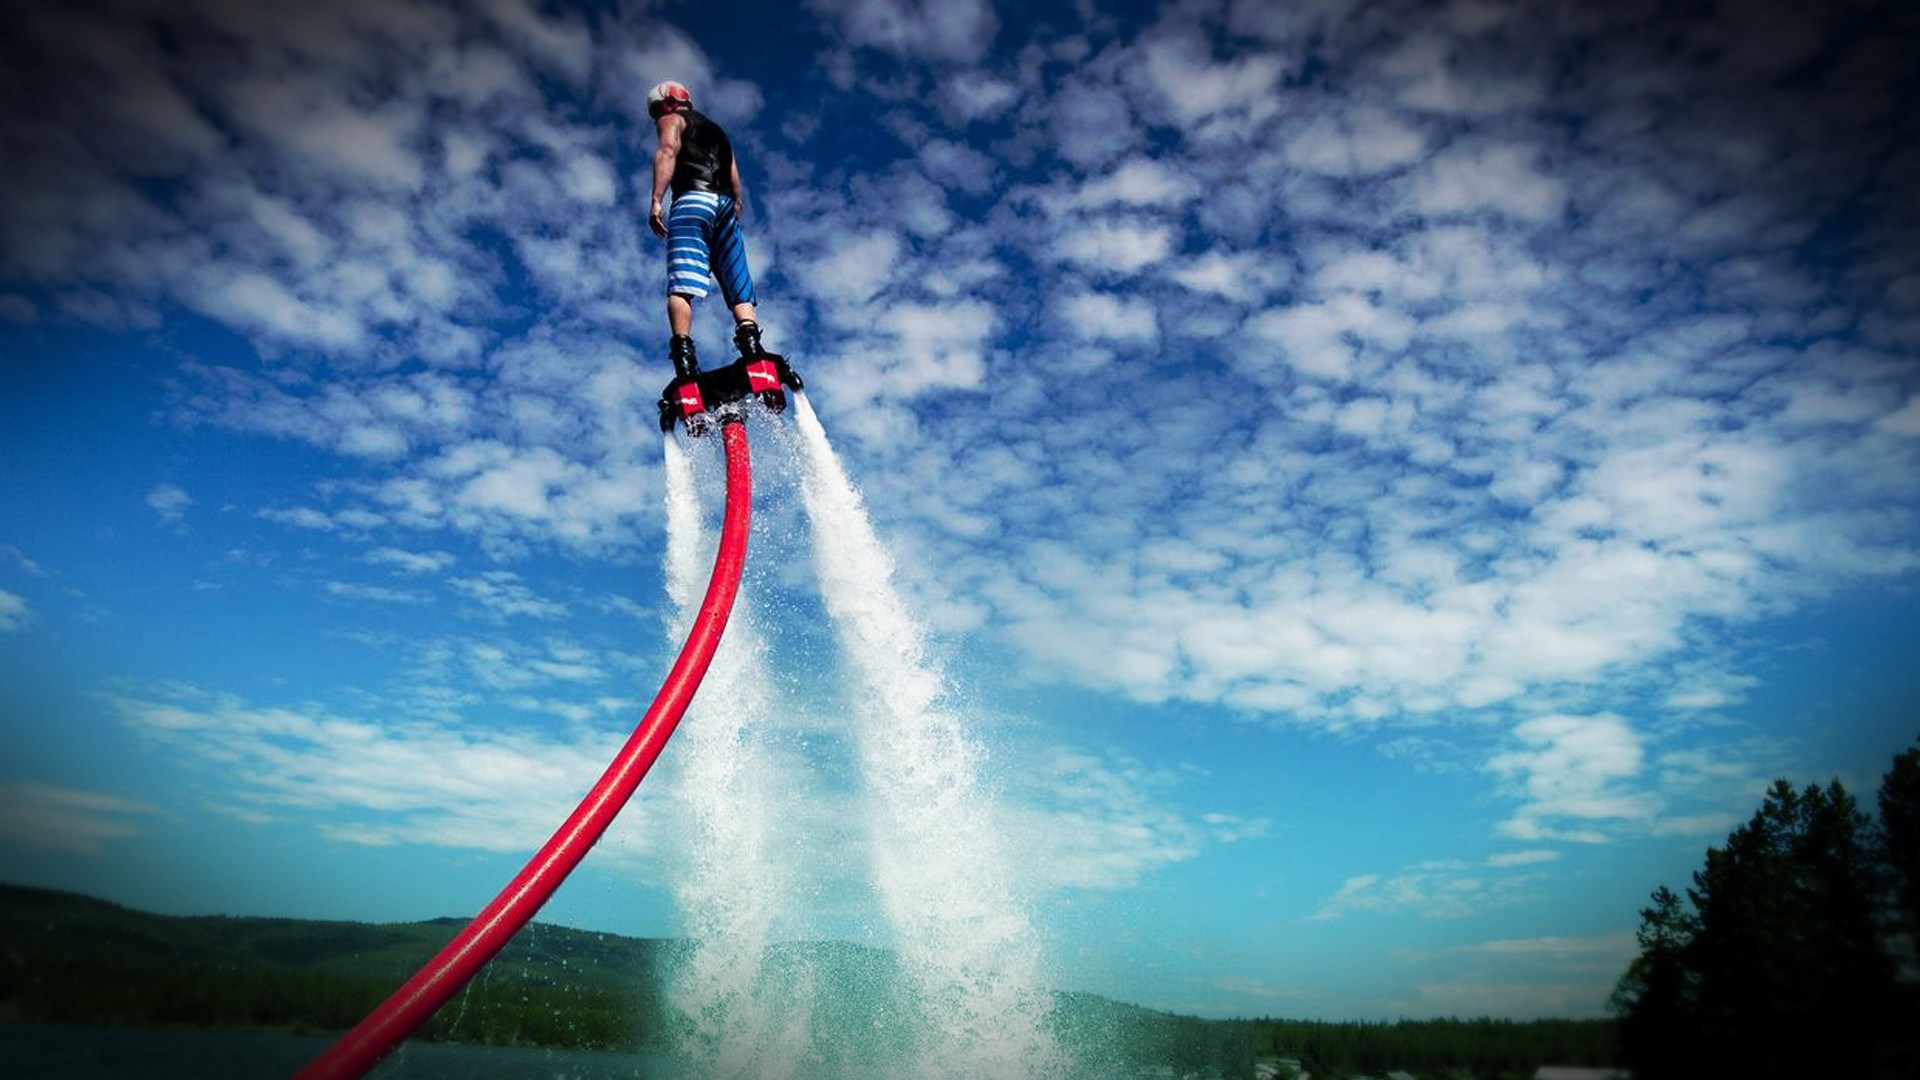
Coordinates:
(704, 244)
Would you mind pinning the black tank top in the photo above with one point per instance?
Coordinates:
(705, 161)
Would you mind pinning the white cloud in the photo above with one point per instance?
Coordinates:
(412, 562)
(958, 165)
(1520, 977)
(518, 666)
(1140, 181)
(589, 179)
(258, 302)
(376, 594)
(1430, 77)
(1440, 889)
(1329, 339)
(14, 613)
(565, 42)
(299, 113)
(301, 517)
(1088, 822)
(1232, 95)
(1104, 317)
(1232, 828)
(503, 593)
(50, 817)
(377, 784)
(1242, 277)
(977, 94)
(1083, 821)
(858, 268)
(1714, 789)
(957, 30)
(1115, 247)
(310, 129)
(170, 501)
(518, 484)
(288, 226)
(1522, 858)
(1605, 947)
(1365, 141)
(1574, 769)
(940, 346)
(1904, 422)
(1504, 179)
(1092, 125)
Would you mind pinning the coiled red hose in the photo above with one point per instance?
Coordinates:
(389, 1024)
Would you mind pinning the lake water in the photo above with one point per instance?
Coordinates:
(45, 1052)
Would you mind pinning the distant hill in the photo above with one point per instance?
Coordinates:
(75, 959)
(82, 928)
(72, 959)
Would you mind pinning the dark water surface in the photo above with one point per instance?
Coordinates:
(49, 1052)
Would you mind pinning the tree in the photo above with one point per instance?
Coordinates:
(1780, 967)
(1657, 1000)
(1899, 843)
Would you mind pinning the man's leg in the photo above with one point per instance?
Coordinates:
(746, 332)
(680, 322)
(687, 280)
(728, 265)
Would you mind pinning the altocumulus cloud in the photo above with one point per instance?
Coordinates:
(1524, 371)
(1515, 407)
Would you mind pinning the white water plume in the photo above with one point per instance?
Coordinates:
(684, 533)
(956, 990)
(739, 1023)
(963, 936)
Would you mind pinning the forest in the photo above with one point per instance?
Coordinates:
(1793, 953)
(1442, 1049)
(78, 960)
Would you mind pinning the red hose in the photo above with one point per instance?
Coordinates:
(389, 1024)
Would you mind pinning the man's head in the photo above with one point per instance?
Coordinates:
(668, 97)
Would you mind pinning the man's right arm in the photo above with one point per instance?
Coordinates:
(664, 159)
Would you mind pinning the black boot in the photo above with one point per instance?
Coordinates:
(680, 351)
(746, 338)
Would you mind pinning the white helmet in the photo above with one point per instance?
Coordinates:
(668, 95)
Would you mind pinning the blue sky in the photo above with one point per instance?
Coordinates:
(1388, 484)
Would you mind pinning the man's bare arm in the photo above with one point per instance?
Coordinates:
(664, 158)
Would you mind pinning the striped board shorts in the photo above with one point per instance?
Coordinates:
(704, 245)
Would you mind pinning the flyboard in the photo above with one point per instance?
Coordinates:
(697, 403)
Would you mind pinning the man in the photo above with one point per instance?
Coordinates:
(704, 243)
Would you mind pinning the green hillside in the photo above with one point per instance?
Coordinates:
(71, 959)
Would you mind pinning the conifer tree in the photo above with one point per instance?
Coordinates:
(1776, 965)
(1899, 842)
